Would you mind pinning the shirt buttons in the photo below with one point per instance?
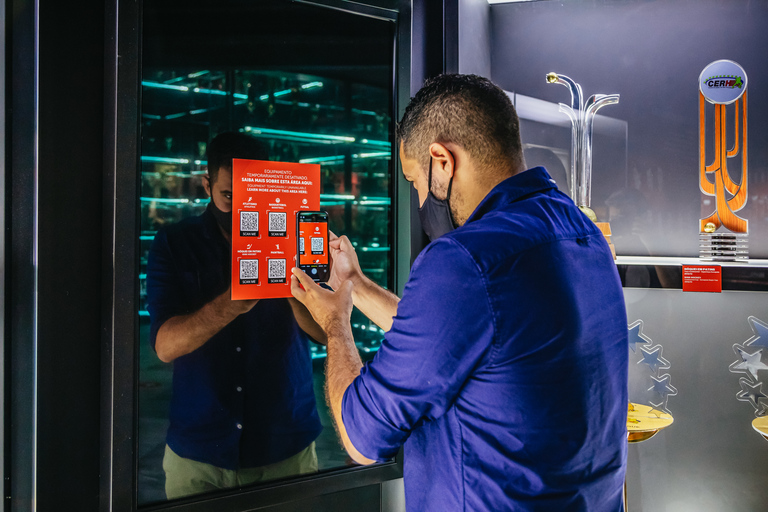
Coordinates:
(239, 426)
(238, 349)
(239, 389)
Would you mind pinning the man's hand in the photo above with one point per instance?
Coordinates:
(375, 302)
(331, 310)
(344, 263)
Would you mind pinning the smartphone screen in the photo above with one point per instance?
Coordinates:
(312, 244)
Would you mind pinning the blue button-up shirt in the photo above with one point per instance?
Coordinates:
(505, 371)
(245, 398)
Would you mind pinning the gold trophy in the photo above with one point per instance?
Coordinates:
(582, 116)
(645, 421)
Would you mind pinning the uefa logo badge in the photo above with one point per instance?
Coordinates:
(723, 82)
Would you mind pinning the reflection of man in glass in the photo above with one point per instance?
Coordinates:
(503, 371)
(243, 407)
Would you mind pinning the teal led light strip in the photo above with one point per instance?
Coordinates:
(164, 160)
(314, 137)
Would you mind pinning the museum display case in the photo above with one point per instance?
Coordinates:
(665, 157)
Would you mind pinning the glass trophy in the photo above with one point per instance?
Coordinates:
(582, 116)
(751, 361)
(723, 235)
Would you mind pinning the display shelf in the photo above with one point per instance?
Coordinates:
(666, 272)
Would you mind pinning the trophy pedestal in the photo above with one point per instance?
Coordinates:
(643, 422)
(605, 227)
(724, 246)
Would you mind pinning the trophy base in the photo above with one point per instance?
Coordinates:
(644, 422)
(605, 228)
(760, 424)
(724, 246)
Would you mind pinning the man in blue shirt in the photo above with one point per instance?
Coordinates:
(503, 371)
(243, 406)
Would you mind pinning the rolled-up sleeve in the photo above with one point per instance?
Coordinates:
(164, 294)
(442, 333)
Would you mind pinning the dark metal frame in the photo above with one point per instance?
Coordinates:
(120, 293)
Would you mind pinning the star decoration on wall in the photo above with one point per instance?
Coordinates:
(750, 363)
(651, 356)
(636, 335)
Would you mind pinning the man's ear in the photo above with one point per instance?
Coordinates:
(207, 185)
(442, 160)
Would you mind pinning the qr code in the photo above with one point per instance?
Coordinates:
(276, 271)
(249, 223)
(249, 271)
(317, 245)
(278, 223)
(301, 245)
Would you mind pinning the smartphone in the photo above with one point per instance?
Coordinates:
(312, 244)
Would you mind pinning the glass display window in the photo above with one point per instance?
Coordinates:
(303, 100)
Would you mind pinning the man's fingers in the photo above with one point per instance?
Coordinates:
(303, 278)
(296, 290)
(332, 236)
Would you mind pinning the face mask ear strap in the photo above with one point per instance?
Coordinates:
(429, 183)
(450, 182)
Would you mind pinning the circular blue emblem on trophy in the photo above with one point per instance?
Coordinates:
(723, 82)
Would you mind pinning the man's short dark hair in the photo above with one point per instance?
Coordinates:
(467, 110)
(228, 145)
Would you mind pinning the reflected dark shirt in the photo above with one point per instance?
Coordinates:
(504, 374)
(245, 398)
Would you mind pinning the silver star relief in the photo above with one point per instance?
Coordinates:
(750, 363)
(662, 387)
(751, 393)
(652, 357)
(659, 408)
(636, 335)
(760, 339)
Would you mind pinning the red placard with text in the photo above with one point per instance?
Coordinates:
(700, 278)
(265, 199)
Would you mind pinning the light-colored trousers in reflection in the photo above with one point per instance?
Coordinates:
(184, 477)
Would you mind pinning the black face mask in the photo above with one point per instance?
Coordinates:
(224, 219)
(435, 214)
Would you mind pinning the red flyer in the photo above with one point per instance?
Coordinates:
(265, 199)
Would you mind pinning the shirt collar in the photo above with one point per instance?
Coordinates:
(513, 189)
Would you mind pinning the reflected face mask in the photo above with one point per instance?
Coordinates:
(224, 219)
(435, 214)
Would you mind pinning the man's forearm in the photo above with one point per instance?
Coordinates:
(342, 366)
(375, 302)
(306, 322)
(183, 334)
